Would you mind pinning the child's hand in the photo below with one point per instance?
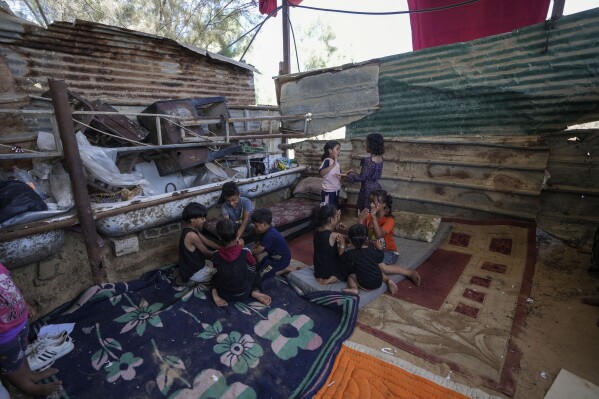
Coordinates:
(362, 215)
(31, 311)
(378, 244)
(240, 241)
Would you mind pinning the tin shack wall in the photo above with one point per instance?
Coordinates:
(120, 66)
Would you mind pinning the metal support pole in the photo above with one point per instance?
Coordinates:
(93, 242)
(286, 41)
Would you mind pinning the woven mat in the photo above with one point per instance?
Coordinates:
(482, 308)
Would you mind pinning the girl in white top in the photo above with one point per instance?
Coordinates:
(331, 171)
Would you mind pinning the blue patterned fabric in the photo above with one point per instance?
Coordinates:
(150, 338)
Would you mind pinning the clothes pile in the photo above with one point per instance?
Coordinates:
(42, 353)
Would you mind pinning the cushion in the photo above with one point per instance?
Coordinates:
(411, 255)
(416, 226)
(311, 185)
(283, 213)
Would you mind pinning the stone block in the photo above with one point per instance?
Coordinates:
(160, 231)
(125, 245)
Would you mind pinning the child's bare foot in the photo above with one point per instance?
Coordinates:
(415, 277)
(351, 291)
(220, 302)
(392, 286)
(262, 298)
(36, 377)
(325, 281)
(46, 389)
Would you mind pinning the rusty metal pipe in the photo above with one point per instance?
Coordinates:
(93, 242)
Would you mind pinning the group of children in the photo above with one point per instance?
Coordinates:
(373, 250)
(237, 272)
(364, 258)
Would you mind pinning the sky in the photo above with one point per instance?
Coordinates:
(358, 37)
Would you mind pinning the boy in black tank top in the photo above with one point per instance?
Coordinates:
(194, 248)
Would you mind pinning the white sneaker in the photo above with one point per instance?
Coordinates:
(44, 340)
(44, 357)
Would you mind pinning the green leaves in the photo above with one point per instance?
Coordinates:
(209, 24)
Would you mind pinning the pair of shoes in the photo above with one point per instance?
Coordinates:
(45, 340)
(47, 352)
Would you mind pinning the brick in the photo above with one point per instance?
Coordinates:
(125, 245)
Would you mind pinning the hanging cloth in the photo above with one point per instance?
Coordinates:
(268, 6)
(472, 21)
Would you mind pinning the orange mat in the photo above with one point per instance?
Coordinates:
(361, 376)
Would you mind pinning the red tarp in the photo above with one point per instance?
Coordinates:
(472, 21)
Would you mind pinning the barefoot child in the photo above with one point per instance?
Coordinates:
(328, 267)
(330, 170)
(14, 328)
(236, 278)
(365, 263)
(271, 251)
(380, 224)
(194, 248)
(235, 207)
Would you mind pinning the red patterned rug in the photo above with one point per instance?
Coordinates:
(471, 303)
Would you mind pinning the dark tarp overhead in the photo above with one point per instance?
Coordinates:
(471, 21)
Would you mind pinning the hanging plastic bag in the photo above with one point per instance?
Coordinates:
(100, 163)
(60, 185)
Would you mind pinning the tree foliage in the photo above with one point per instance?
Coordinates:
(210, 24)
(317, 46)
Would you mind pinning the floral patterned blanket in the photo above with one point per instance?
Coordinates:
(149, 338)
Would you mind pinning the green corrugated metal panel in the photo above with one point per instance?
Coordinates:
(528, 81)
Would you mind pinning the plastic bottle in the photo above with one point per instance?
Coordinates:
(26, 178)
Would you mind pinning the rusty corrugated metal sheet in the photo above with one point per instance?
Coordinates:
(535, 79)
(120, 66)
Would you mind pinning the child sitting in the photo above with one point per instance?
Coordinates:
(194, 248)
(271, 251)
(364, 263)
(236, 278)
(380, 224)
(328, 267)
(235, 207)
(14, 329)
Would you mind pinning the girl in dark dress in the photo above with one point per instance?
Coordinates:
(328, 245)
(371, 170)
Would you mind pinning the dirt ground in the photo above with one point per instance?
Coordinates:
(560, 332)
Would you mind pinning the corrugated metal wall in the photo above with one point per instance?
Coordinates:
(120, 66)
(537, 79)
